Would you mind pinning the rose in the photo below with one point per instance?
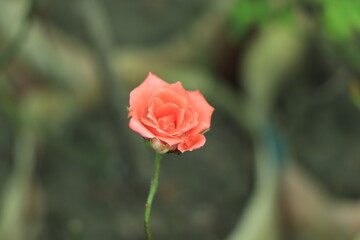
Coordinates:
(168, 115)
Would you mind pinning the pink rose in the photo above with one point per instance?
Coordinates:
(171, 117)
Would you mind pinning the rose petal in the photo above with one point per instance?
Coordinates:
(180, 117)
(138, 127)
(154, 103)
(170, 140)
(192, 143)
(165, 137)
(144, 92)
(203, 109)
(169, 96)
(178, 87)
(167, 123)
(149, 122)
(151, 110)
(189, 122)
(166, 109)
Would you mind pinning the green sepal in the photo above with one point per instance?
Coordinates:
(205, 131)
(148, 142)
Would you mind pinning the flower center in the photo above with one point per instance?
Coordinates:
(167, 123)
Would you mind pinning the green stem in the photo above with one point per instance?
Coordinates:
(153, 188)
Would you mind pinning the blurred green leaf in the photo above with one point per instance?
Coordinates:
(246, 13)
(341, 19)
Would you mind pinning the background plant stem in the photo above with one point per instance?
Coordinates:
(13, 222)
(99, 33)
(153, 187)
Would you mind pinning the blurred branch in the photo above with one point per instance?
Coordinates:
(315, 213)
(15, 44)
(97, 28)
(19, 211)
(260, 219)
(265, 71)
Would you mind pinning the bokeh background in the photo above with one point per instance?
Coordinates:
(281, 162)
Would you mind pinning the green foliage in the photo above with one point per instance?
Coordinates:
(246, 13)
(333, 22)
(341, 19)
(340, 23)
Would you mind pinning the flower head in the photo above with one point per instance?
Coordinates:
(171, 117)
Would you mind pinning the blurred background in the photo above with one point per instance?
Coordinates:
(281, 162)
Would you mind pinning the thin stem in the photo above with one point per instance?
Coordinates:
(153, 187)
